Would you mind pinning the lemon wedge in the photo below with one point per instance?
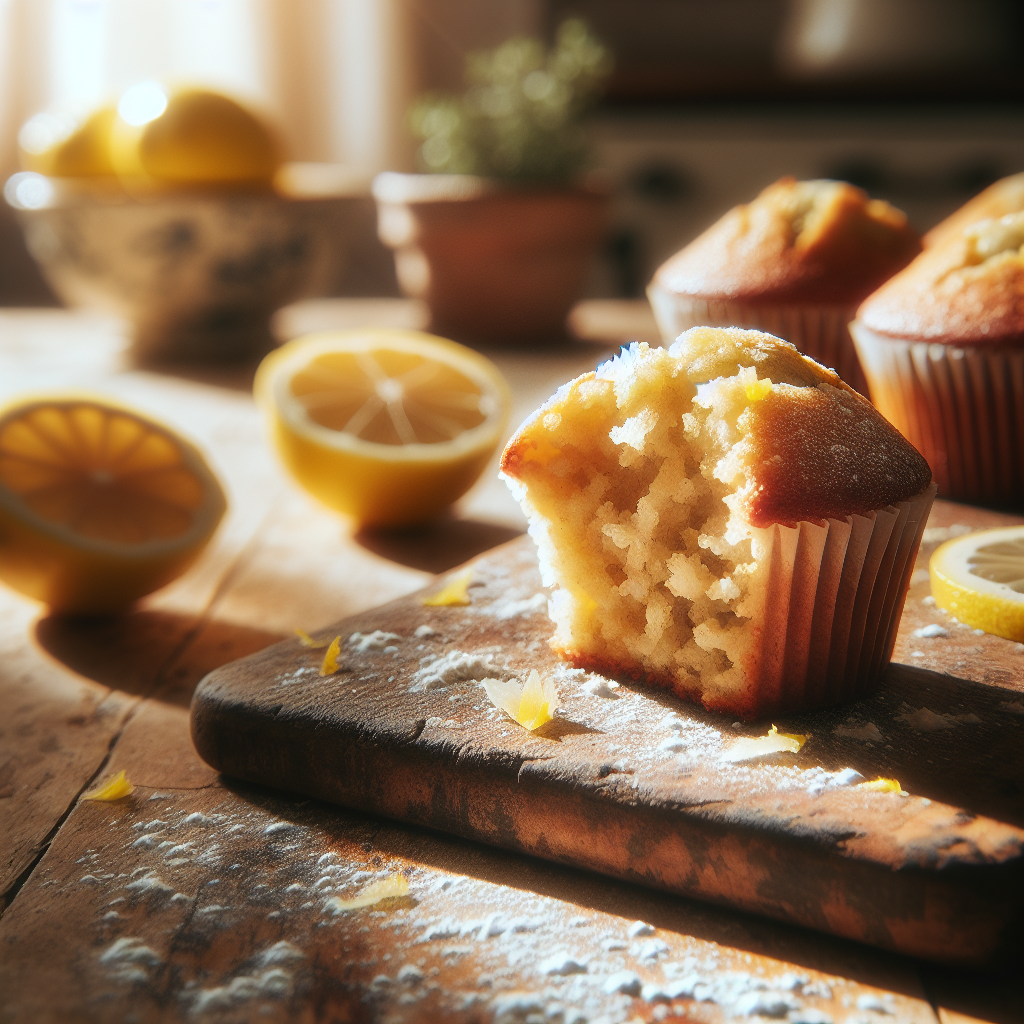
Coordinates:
(388, 427)
(178, 138)
(65, 147)
(98, 504)
(979, 578)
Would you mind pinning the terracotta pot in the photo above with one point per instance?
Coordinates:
(494, 263)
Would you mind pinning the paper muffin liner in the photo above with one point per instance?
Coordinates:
(961, 408)
(820, 332)
(835, 594)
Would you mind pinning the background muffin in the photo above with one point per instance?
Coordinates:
(797, 262)
(725, 518)
(1005, 196)
(942, 344)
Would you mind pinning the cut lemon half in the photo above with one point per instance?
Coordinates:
(98, 504)
(979, 578)
(388, 427)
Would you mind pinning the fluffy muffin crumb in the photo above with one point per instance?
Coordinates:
(653, 487)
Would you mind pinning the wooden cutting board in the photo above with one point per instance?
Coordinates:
(637, 784)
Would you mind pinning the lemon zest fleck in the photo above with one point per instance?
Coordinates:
(454, 592)
(330, 663)
(531, 705)
(774, 742)
(307, 641)
(881, 785)
(388, 888)
(758, 389)
(115, 788)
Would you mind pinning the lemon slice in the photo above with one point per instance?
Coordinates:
(979, 578)
(98, 505)
(388, 427)
(186, 137)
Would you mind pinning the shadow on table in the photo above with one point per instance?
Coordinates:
(148, 653)
(437, 546)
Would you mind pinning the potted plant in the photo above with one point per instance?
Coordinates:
(498, 233)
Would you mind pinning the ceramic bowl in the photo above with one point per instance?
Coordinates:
(197, 274)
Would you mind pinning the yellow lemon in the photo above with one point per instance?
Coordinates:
(388, 427)
(64, 147)
(979, 578)
(166, 138)
(98, 504)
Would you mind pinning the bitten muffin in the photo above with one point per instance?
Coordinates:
(725, 518)
(1005, 196)
(796, 261)
(942, 344)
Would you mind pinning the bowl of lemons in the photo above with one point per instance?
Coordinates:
(174, 209)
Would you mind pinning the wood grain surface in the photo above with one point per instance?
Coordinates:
(637, 784)
(81, 942)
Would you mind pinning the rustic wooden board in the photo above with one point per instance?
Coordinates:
(617, 786)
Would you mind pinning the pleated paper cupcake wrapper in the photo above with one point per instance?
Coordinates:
(835, 594)
(961, 408)
(821, 332)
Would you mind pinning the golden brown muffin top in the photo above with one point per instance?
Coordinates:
(820, 242)
(967, 290)
(1005, 196)
(811, 448)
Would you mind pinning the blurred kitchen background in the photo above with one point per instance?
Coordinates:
(918, 101)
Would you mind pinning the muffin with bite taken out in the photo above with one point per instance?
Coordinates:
(725, 518)
(797, 261)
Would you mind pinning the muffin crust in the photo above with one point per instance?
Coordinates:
(819, 242)
(967, 290)
(1003, 197)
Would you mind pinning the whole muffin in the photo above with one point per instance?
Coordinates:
(725, 518)
(1003, 197)
(797, 262)
(942, 344)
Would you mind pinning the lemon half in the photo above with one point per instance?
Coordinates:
(388, 427)
(979, 578)
(98, 504)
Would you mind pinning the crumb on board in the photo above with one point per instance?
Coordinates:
(387, 888)
(330, 663)
(307, 641)
(883, 786)
(531, 704)
(454, 592)
(115, 788)
(775, 742)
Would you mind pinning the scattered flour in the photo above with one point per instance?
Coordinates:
(455, 667)
(274, 983)
(933, 629)
(129, 959)
(513, 609)
(868, 732)
(377, 640)
(923, 720)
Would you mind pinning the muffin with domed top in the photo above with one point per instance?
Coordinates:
(725, 518)
(796, 261)
(942, 344)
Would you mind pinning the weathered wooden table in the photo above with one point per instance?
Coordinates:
(200, 898)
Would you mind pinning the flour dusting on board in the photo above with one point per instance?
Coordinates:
(579, 967)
